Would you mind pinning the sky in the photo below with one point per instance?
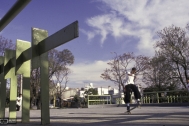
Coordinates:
(105, 26)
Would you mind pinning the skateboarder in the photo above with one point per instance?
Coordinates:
(131, 87)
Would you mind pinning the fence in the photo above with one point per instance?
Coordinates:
(174, 96)
(99, 99)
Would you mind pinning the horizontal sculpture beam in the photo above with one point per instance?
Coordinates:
(13, 12)
(61, 37)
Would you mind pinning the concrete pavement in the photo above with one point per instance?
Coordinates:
(109, 116)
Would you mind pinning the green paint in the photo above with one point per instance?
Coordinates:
(41, 61)
(62, 36)
(2, 89)
(24, 69)
(9, 68)
(44, 77)
(26, 100)
(41, 44)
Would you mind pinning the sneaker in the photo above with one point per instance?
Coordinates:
(138, 104)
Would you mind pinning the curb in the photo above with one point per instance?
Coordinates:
(150, 104)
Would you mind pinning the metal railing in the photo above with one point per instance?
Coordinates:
(99, 99)
(119, 100)
(174, 96)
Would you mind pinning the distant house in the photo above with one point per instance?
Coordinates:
(69, 93)
(102, 91)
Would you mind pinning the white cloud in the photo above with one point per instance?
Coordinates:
(88, 72)
(138, 18)
(89, 34)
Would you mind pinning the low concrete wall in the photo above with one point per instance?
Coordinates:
(166, 104)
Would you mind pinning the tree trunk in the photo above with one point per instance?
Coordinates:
(54, 100)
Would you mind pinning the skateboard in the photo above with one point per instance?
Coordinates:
(136, 106)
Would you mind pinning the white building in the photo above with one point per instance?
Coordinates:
(69, 93)
(115, 95)
(88, 86)
(102, 91)
(113, 91)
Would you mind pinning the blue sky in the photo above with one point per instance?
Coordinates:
(105, 26)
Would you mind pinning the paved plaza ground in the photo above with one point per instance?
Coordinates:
(110, 116)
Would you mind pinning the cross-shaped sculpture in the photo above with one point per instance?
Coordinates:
(18, 62)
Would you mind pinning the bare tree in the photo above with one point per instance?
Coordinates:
(159, 75)
(120, 65)
(174, 44)
(58, 61)
(35, 87)
(61, 78)
(5, 44)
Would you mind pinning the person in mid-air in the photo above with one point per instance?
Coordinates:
(131, 87)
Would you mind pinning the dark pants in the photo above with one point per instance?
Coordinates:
(131, 88)
(17, 108)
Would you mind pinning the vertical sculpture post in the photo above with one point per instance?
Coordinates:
(41, 61)
(39, 50)
(9, 72)
(24, 68)
(2, 89)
